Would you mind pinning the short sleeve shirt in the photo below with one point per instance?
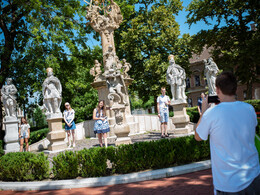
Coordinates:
(24, 128)
(162, 100)
(234, 158)
(69, 114)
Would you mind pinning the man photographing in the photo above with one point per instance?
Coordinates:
(231, 126)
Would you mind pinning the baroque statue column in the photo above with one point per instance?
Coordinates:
(51, 90)
(112, 84)
(176, 78)
(8, 97)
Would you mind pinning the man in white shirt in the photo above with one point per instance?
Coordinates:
(163, 111)
(231, 126)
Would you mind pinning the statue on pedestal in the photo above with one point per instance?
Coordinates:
(176, 78)
(96, 70)
(51, 90)
(211, 70)
(126, 68)
(8, 97)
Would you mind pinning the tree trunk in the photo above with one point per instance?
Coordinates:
(249, 86)
(155, 104)
(1, 121)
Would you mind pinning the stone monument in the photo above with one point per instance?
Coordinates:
(211, 70)
(8, 97)
(112, 85)
(51, 90)
(176, 78)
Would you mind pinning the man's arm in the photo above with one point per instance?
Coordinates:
(204, 107)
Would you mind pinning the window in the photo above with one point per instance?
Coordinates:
(188, 83)
(197, 80)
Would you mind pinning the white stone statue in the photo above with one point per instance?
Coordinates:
(51, 90)
(126, 68)
(211, 70)
(176, 78)
(96, 70)
(8, 97)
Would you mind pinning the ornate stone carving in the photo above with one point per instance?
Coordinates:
(51, 90)
(126, 68)
(211, 70)
(96, 71)
(176, 78)
(8, 97)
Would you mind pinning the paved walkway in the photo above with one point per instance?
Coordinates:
(197, 183)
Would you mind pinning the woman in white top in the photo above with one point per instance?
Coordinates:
(69, 115)
(24, 134)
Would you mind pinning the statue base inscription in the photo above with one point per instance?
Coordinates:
(56, 135)
(180, 118)
(11, 138)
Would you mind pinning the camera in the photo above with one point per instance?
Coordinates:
(213, 99)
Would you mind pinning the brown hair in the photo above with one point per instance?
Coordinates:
(24, 119)
(103, 108)
(227, 83)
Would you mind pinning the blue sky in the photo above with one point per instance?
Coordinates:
(180, 18)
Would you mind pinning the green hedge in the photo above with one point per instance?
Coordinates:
(193, 113)
(36, 136)
(130, 158)
(23, 166)
(255, 104)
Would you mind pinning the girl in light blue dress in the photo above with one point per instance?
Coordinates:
(101, 126)
(69, 115)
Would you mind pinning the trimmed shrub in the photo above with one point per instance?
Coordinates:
(93, 162)
(65, 165)
(36, 136)
(23, 166)
(193, 113)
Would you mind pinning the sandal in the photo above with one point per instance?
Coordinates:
(166, 135)
(162, 136)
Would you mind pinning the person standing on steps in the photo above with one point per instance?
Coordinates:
(163, 111)
(101, 126)
(24, 134)
(69, 115)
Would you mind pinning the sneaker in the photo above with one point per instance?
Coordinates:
(74, 144)
(69, 145)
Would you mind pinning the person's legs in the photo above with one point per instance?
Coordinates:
(27, 144)
(100, 139)
(73, 137)
(105, 139)
(68, 135)
(165, 130)
(166, 117)
(21, 144)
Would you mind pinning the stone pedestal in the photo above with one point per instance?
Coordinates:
(121, 131)
(101, 87)
(180, 118)
(56, 135)
(11, 138)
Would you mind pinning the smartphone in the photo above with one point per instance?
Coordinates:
(213, 99)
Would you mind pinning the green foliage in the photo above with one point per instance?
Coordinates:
(193, 113)
(235, 44)
(258, 127)
(130, 158)
(39, 117)
(146, 38)
(36, 136)
(65, 165)
(255, 104)
(1, 148)
(93, 162)
(139, 103)
(23, 166)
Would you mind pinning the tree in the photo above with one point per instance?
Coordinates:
(39, 117)
(33, 35)
(236, 47)
(145, 40)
